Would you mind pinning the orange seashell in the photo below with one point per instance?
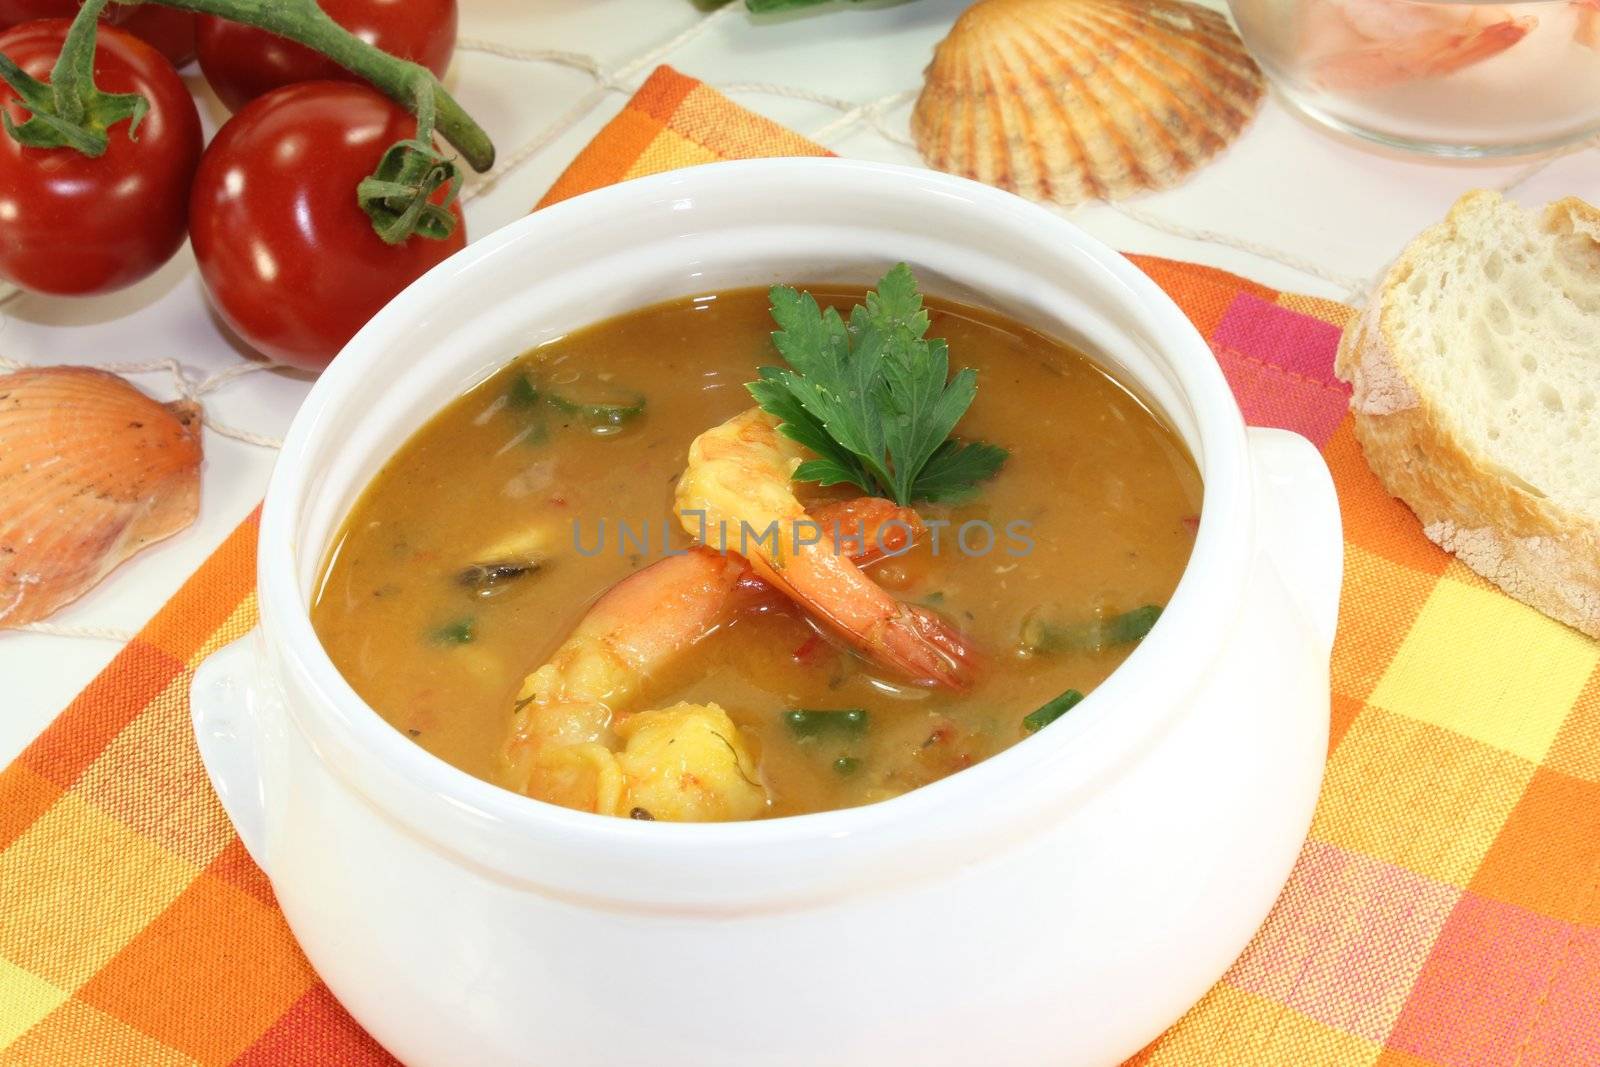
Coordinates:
(1073, 100)
(91, 471)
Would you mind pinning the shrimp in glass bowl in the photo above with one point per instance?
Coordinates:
(1457, 78)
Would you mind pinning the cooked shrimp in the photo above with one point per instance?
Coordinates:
(866, 529)
(1378, 44)
(640, 625)
(1588, 30)
(649, 618)
(736, 495)
(571, 712)
(686, 763)
(563, 738)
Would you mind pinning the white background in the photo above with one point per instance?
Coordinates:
(543, 76)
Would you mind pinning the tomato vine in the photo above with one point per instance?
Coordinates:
(401, 197)
(68, 111)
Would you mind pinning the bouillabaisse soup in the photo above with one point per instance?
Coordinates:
(521, 589)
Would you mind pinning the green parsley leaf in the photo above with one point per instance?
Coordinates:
(873, 398)
(956, 468)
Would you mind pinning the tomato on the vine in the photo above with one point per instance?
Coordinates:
(242, 62)
(290, 260)
(75, 225)
(170, 30)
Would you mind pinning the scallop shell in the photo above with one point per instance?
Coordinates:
(91, 471)
(1073, 100)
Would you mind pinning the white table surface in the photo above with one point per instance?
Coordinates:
(543, 76)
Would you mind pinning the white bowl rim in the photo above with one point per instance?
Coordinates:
(1213, 577)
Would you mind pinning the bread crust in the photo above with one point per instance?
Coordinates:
(1544, 554)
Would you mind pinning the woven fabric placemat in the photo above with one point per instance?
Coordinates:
(1445, 911)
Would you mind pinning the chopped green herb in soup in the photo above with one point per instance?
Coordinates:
(757, 554)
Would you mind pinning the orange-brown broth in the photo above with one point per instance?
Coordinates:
(1110, 492)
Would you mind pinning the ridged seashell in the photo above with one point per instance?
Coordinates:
(1073, 100)
(91, 471)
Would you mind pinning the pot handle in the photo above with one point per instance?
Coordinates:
(1298, 525)
(226, 703)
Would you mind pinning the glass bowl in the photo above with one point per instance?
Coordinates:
(1459, 78)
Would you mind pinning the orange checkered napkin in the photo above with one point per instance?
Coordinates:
(1445, 911)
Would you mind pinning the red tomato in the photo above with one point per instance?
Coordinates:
(242, 62)
(73, 225)
(170, 30)
(290, 260)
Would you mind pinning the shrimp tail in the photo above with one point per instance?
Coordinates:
(739, 478)
(930, 647)
(914, 640)
(864, 530)
(1433, 54)
(1588, 31)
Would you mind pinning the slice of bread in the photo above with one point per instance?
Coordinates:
(1476, 371)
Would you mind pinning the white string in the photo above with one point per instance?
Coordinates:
(789, 91)
(661, 51)
(574, 115)
(576, 60)
(1191, 233)
(869, 112)
(605, 83)
(238, 370)
(851, 114)
(1357, 294)
(170, 365)
(249, 437)
(98, 633)
(876, 121)
(1538, 165)
(188, 389)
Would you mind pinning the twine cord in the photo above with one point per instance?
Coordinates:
(189, 386)
(193, 384)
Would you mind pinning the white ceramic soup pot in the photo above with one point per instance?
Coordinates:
(1059, 903)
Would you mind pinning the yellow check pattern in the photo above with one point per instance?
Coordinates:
(1444, 913)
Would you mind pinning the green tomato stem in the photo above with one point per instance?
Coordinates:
(303, 21)
(69, 111)
(75, 65)
(399, 196)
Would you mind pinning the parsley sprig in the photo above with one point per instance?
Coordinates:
(873, 398)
